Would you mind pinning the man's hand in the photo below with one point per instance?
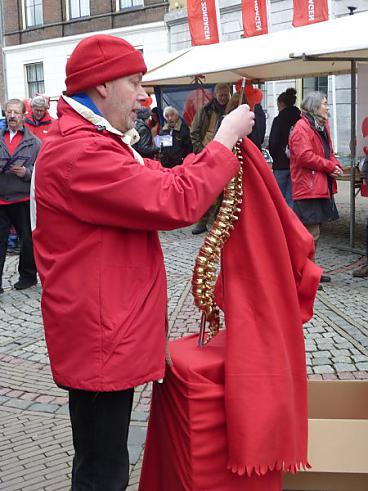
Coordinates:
(236, 125)
(18, 171)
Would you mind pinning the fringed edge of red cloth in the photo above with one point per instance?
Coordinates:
(261, 470)
(266, 288)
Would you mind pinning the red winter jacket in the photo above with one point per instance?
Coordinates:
(98, 252)
(39, 128)
(308, 166)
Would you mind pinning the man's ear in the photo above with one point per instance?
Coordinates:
(101, 90)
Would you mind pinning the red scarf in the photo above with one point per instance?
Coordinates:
(266, 289)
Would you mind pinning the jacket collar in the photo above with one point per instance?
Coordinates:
(129, 137)
(47, 119)
(26, 134)
(176, 127)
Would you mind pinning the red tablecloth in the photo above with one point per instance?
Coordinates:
(186, 448)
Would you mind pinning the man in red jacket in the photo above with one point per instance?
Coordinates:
(97, 208)
(39, 122)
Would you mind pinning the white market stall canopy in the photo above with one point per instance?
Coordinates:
(270, 57)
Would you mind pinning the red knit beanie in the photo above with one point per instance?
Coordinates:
(100, 58)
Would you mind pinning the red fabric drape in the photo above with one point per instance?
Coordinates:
(202, 21)
(309, 12)
(254, 17)
(186, 447)
(266, 289)
(241, 402)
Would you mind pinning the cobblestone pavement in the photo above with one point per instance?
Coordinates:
(35, 438)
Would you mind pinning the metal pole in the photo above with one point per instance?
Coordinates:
(218, 18)
(353, 153)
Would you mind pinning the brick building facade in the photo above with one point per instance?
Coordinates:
(38, 36)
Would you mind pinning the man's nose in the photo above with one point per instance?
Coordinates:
(142, 94)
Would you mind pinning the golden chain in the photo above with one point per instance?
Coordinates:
(204, 274)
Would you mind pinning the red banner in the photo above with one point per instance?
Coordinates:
(202, 22)
(254, 17)
(309, 12)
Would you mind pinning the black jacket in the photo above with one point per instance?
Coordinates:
(145, 146)
(181, 144)
(279, 137)
(259, 129)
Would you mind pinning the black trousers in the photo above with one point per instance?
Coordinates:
(17, 214)
(100, 425)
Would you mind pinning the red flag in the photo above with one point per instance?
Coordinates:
(309, 12)
(254, 17)
(202, 21)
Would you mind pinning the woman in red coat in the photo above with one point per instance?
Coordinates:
(313, 166)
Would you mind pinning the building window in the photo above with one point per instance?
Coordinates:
(312, 84)
(79, 8)
(35, 80)
(131, 4)
(34, 13)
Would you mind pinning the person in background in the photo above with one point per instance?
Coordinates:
(278, 142)
(176, 143)
(204, 126)
(154, 122)
(259, 128)
(18, 152)
(39, 122)
(313, 167)
(362, 272)
(97, 208)
(145, 145)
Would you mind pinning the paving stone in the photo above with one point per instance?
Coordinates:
(47, 408)
(140, 416)
(342, 359)
(322, 354)
(345, 367)
(18, 403)
(323, 369)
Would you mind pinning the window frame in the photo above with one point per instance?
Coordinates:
(37, 83)
(26, 8)
(80, 16)
(129, 8)
(319, 86)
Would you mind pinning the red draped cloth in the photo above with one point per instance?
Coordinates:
(233, 415)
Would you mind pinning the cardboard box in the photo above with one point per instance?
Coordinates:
(338, 438)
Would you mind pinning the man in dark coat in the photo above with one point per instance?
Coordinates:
(145, 145)
(204, 126)
(176, 143)
(18, 152)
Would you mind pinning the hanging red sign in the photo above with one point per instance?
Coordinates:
(254, 17)
(202, 21)
(309, 12)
